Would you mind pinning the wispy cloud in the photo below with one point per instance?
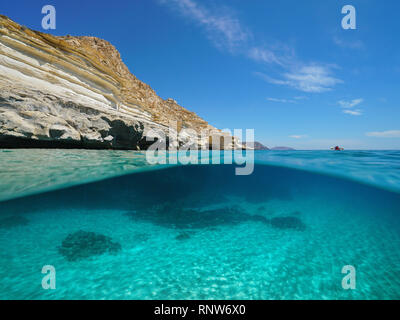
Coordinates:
(357, 44)
(226, 31)
(351, 103)
(313, 79)
(384, 134)
(300, 98)
(356, 112)
(348, 106)
(281, 100)
(298, 136)
(297, 99)
(264, 55)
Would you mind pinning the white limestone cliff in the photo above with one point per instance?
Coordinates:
(76, 92)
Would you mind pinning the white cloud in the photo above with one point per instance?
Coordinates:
(350, 104)
(300, 98)
(347, 105)
(312, 79)
(357, 44)
(226, 31)
(293, 100)
(223, 29)
(384, 134)
(307, 79)
(298, 136)
(281, 100)
(265, 56)
(356, 112)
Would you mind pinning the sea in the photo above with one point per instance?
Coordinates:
(102, 224)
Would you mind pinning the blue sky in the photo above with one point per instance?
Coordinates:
(285, 68)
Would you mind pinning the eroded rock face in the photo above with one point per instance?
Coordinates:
(30, 118)
(76, 92)
(83, 244)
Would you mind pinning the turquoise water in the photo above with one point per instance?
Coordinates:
(115, 228)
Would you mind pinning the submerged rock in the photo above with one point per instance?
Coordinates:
(177, 217)
(261, 209)
(287, 223)
(183, 236)
(142, 237)
(83, 244)
(258, 218)
(13, 221)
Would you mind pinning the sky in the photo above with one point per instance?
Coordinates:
(286, 69)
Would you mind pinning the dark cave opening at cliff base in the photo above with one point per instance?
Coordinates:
(7, 142)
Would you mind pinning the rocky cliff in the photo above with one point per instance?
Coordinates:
(254, 145)
(76, 92)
